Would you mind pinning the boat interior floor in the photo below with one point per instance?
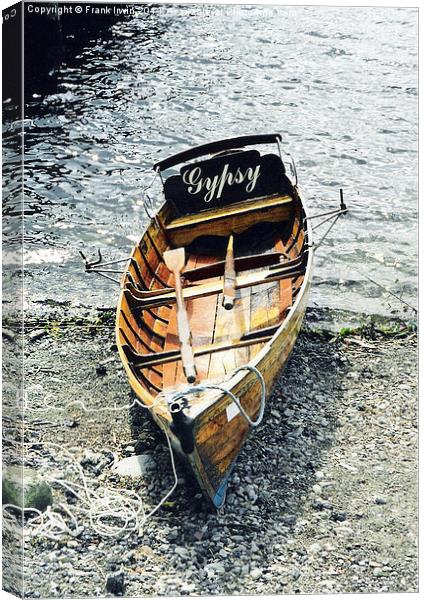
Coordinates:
(258, 307)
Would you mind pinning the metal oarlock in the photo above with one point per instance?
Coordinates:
(93, 266)
(332, 215)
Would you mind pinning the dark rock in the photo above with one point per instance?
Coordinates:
(338, 516)
(115, 584)
(36, 335)
(8, 334)
(321, 504)
(101, 370)
(380, 500)
(90, 459)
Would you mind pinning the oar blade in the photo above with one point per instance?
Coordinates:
(174, 259)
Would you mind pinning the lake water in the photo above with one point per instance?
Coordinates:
(339, 84)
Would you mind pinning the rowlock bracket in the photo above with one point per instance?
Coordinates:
(97, 266)
(332, 216)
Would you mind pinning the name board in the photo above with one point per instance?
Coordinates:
(225, 180)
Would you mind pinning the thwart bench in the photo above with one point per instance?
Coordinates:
(223, 220)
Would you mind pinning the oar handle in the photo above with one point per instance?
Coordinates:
(230, 279)
(187, 358)
(184, 333)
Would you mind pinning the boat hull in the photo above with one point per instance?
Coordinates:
(238, 353)
(219, 430)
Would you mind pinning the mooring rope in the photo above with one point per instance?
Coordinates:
(180, 394)
(112, 512)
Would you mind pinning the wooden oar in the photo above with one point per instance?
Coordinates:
(229, 287)
(175, 260)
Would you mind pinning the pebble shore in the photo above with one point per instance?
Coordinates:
(323, 498)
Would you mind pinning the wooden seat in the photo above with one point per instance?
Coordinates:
(223, 220)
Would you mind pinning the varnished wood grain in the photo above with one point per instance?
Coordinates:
(235, 218)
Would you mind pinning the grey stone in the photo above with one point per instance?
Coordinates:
(182, 552)
(237, 538)
(135, 466)
(314, 548)
(380, 500)
(255, 573)
(289, 519)
(321, 504)
(36, 335)
(26, 487)
(338, 516)
(345, 531)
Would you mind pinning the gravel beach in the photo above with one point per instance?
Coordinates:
(323, 498)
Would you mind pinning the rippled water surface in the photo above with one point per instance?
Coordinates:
(340, 84)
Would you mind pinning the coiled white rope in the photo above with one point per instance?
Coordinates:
(112, 512)
(47, 406)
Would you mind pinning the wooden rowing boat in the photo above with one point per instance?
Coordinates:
(214, 294)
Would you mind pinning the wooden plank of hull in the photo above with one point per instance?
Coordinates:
(241, 316)
(224, 331)
(258, 307)
(172, 342)
(202, 317)
(285, 285)
(139, 340)
(274, 304)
